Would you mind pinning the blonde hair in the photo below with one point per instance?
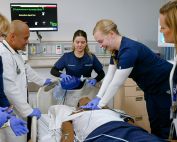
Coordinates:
(4, 25)
(105, 26)
(169, 10)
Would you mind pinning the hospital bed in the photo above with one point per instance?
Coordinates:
(40, 128)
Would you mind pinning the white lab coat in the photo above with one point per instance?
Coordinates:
(15, 85)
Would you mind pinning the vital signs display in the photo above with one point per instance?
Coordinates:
(38, 16)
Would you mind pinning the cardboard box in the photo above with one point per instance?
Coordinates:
(133, 91)
(130, 82)
(143, 122)
(135, 105)
(119, 99)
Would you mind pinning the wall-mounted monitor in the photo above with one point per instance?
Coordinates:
(38, 16)
(161, 40)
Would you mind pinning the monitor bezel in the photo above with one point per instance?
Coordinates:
(40, 29)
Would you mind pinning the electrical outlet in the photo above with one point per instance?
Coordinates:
(58, 49)
(33, 49)
(44, 50)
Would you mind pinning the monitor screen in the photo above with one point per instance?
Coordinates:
(39, 17)
(161, 40)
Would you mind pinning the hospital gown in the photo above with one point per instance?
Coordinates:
(103, 124)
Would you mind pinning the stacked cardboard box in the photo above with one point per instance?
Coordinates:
(130, 99)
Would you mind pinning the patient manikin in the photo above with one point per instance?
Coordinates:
(85, 123)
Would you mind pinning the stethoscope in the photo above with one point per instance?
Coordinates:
(18, 71)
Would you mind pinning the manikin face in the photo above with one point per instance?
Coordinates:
(79, 44)
(167, 32)
(105, 41)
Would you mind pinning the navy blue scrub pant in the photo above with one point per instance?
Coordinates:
(158, 108)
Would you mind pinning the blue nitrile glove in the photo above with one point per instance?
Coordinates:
(4, 116)
(93, 104)
(48, 81)
(65, 77)
(18, 126)
(92, 82)
(36, 112)
(73, 83)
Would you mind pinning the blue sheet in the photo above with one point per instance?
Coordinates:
(116, 131)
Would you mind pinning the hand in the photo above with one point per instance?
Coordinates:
(6, 109)
(65, 77)
(73, 83)
(92, 104)
(92, 82)
(4, 116)
(36, 112)
(18, 126)
(48, 81)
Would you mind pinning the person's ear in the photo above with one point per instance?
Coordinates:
(11, 37)
(111, 34)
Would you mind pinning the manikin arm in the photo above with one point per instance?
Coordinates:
(67, 132)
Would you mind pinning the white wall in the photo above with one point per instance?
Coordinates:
(135, 18)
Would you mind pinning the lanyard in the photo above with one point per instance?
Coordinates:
(115, 61)
(18, 71)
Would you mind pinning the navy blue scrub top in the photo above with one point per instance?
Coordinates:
(75, 66)
(3, 99)
(150, 72)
